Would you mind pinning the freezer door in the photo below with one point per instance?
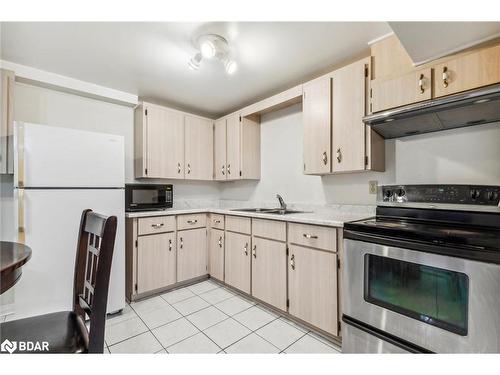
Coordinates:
(50, 156)
(51, 221)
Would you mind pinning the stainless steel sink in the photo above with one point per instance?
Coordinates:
(273, 211)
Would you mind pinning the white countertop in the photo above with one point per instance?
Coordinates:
(328, 216)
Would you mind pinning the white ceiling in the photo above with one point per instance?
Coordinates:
(425, 41)
(150, 59)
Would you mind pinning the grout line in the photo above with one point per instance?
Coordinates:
(149, 329)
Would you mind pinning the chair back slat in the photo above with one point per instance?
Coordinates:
(92, 272)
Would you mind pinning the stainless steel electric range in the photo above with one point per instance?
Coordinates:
(424, 274)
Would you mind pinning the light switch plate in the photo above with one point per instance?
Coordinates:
(372, 187)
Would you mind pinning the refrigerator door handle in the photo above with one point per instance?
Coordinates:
(21, 230)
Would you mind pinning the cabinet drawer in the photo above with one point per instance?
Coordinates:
(191, 221)
(217, 221)
(238, 224)
(274, 230)
(157, 224)
(324, 238)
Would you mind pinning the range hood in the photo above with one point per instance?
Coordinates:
(473, 107)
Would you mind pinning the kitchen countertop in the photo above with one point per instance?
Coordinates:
(325, 216)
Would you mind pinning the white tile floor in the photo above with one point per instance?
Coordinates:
(207, 318)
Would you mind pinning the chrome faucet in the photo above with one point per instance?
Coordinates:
(282, 202)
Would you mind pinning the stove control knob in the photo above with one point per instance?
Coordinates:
(492, 195)
(475, 193)
(388, 194)
(400, 192)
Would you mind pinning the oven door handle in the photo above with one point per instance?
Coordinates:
(382, 335)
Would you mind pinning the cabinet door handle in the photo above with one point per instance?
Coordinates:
(325, 158)
(245, 249)
(178, 167)
(157, 226)
(169, 245)
(182, 243)
(254, 251)
(421, 83)
(445, 76)
(228, 169)
(222, 170)
(310, 236)
(220, 241)
(192, 221)
(189, 168)
(339, 155)
(292, 261)
(216, 221)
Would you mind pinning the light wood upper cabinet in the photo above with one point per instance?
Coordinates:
(250, 148)
(7, 81)
(412, 87)
(233, 147)
(237, 148)
(348, 110)
(199, 148)
(216, 254)
(191, 254)
(467, 72)
(237, 261)
(269, 271)
(312, 287)
(156, 261)
(220, 150)
(159, 142)
(355, 146)
(316, 119)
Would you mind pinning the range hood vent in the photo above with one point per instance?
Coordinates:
(474, 107)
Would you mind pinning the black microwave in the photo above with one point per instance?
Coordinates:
(146, 197)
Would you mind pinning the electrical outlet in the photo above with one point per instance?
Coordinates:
(372, 187)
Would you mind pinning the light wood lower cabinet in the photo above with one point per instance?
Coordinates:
(312, 287)
(156, 261)
(237, 261)
(191, 254)
(216, 254)
(269, 271)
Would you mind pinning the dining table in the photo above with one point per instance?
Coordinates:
(13, 256)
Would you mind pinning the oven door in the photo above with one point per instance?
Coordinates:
(440, 303)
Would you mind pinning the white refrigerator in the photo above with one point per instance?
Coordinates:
(59, 172)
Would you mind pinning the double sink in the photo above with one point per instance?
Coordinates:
(273, 211)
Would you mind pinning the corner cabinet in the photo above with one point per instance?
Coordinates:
(7, 81)
(237, 148)
(335, 138)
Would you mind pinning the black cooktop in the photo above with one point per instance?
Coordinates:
(472, 235)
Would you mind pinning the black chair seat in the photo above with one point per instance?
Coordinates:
(64, 331)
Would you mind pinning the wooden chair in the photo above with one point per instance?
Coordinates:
(65, 331)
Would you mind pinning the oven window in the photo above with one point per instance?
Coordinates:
(432, 295)
(148, 196)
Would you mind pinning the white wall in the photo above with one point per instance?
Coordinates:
(467, 155)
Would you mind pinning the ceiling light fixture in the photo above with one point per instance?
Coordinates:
(194, 63)
(212, 46)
